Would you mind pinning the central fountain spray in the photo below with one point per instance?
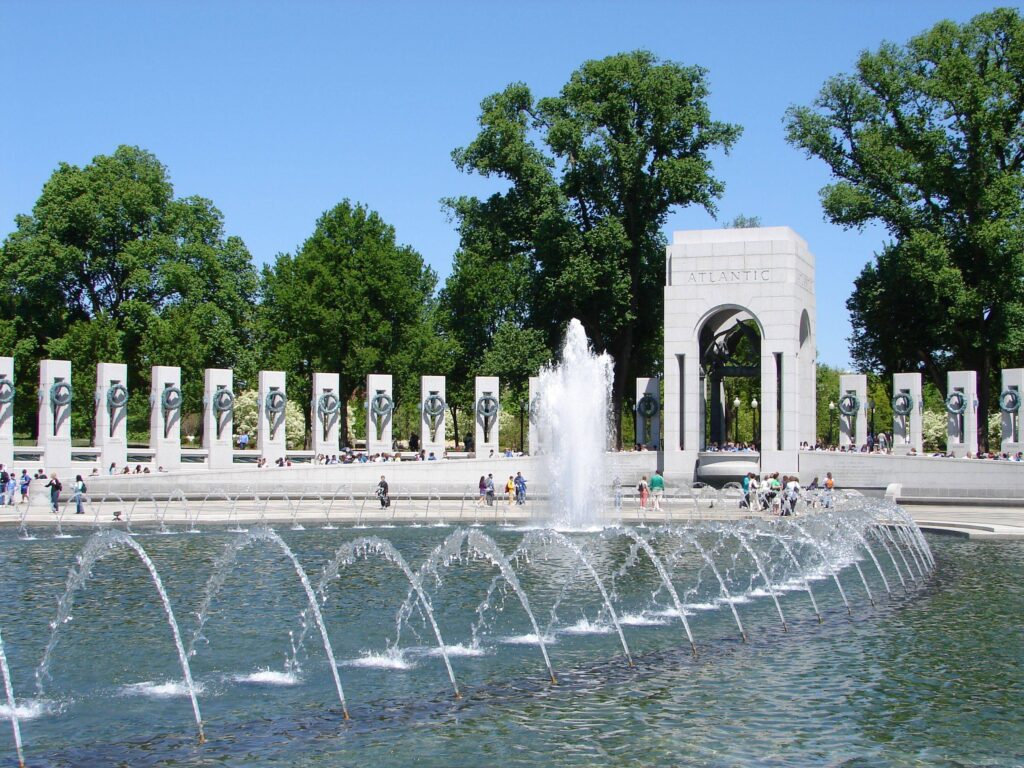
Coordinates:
(574, 413)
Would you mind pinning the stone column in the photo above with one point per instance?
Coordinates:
(111, 435)
(7, 411)
(326, 408)
(534, 414)
(55, 394)
(907, 432)
(487, 406)
(272, 400)
(165, 417)
(853, 429)
(380, 406)
(962, 428)
(1011, 427)
(433, 414)
(648, 409)
(219, 418)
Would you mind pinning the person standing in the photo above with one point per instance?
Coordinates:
(26, 481)
(482, 487)
(657, 489)
(383, 493)
(645, 491)
(4, 477)
(12, 488)
(79, 492)
(490, 489)
(520, 489)
(55, 489)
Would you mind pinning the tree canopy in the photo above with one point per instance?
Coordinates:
(352, 301)
(927, 140)
(592, 174)
(111, 266)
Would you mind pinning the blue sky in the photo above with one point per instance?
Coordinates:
(277, 111)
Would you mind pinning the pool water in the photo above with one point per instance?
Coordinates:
(929, 675)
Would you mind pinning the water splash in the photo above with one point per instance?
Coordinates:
(573, 417)
(96, 548)
(223, 567)
(12, 707)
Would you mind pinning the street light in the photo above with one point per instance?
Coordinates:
(871, 410)
(522, 412)
(756, 437)
(831, 421)
(736, 421)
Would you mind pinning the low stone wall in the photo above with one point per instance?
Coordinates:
(447, 477)
(929, 476)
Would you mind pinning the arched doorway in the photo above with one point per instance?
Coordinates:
(730, 370)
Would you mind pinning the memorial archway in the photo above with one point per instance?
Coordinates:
(730, 371)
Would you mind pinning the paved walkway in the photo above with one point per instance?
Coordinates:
(975, 522)
(970, 521)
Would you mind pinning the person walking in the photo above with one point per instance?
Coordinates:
(55, 489)
(383, 493)
(12, 489)
(490, 489)
(644, 490)
(483, 491)
(520, 489)
(25, 481)
(79, 492)
(510, 490)
(657, 489)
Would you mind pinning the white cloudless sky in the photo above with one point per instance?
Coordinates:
(277, 111)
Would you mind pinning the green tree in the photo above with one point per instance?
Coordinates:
(927, 139)
(353, 301)
(109, 243)
(743, 222)
(480, 295)
(592, 174)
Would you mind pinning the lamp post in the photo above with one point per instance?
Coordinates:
(831, 421)
(756, 437)
(522, 412)
(871, 411)
(736, 421)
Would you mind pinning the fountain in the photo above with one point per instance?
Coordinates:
(628, 588)
(573, 412)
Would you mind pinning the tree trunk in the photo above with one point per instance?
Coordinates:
(455, 424)
(623, 365)
(984, 394)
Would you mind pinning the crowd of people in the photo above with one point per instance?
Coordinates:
(883, 445)
(514, 490)
(771, 492)
(15, 488)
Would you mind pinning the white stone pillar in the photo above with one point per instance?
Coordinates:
(326, 408)
(165, 417)
(486, 408)
(534, 413)
(962, 428)
(219, 418)
(907, 432)
(648, 410)
(111, 434)
(1012, 429)
(853, 428)
(272, 400)
(433, 414)
(55, 394)
(380, 407)
(7, 393)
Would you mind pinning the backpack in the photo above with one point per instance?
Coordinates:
(84, 489)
